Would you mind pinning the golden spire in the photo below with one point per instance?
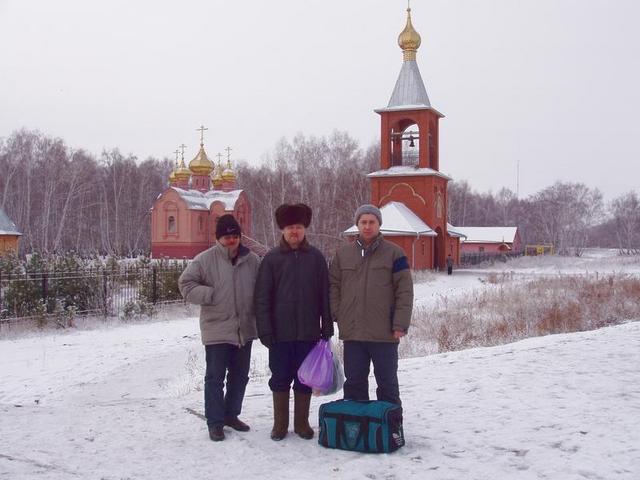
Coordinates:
(228, 173)
(201, 165)
(172, 175)
(409, 40)
(182, 172)
(217, 180)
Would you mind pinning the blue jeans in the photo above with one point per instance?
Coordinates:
(285, 359)
(233, 362)
(357, 358)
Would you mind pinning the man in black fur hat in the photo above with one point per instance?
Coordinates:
(292, 314)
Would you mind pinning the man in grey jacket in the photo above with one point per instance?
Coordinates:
(371, 294)
(221, 280)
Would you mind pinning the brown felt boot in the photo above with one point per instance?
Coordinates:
(301, 415)
(280, 415)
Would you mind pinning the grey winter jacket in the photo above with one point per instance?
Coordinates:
(371, 291)
(224, 292)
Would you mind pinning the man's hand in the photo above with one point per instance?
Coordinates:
(397, 334)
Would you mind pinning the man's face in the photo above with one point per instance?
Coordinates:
(230, 242)
(294, 234)
(368, 226)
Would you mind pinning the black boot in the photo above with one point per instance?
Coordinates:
(236, 424)
(216, 433)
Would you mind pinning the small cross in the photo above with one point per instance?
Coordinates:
(228, 149)
(182, 147)
(177, 152)
(201, 130)
(219, 155)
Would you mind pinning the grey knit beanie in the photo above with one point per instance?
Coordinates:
(368, 208)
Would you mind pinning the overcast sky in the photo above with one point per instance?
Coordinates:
(554, 84)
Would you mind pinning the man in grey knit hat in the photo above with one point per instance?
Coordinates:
(371, 294)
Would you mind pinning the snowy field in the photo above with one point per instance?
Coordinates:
(123, 402)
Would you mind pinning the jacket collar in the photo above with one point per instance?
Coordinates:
(285, 248)
(242, 252)
(368, 250)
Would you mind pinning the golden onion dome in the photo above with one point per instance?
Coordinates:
(409, 40)
(201, 165)
(172, 176)
(217, 180)
(216, 176)
(182, 172)
(228, 174)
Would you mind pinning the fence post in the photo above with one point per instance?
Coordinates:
(45, 291)
(154, 290)
(104, 292)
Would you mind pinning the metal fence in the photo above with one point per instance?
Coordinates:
(91, 291)
(476, 258)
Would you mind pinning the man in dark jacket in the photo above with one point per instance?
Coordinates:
(372, 300)
(292, 314)
(221, 280)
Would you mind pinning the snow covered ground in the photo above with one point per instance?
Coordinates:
(122, 402)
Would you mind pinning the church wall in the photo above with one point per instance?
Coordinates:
(9, 243)
(419, 250)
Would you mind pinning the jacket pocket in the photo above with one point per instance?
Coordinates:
(380, 276)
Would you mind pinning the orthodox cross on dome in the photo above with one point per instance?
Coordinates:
(182, 147)
(219, 155)
(228, 149)
(177, 152)
(201, 130)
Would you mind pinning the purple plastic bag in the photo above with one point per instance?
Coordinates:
(316, 370)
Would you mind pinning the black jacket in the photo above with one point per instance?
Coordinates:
(292, 295)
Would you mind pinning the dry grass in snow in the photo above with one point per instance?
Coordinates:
(514, 309)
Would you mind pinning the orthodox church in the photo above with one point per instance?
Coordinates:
(409, 188)
(184, 216)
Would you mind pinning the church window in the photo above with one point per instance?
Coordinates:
(171, 224)
(200, 224)
(411, 145)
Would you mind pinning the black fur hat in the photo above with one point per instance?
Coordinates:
(288, 214)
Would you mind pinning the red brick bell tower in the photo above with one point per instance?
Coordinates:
(410, 165)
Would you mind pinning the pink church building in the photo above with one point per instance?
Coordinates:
(184, 216)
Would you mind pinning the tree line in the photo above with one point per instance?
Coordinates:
(71, 200)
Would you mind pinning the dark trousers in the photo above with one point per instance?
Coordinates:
(357, 358)
(232, 362)
(449, 270)
(285, 359)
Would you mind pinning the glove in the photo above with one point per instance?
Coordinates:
(267, 341)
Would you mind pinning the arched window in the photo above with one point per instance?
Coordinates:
(171, 224)
(411, 145)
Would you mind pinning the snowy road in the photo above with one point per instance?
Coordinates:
(112, 404)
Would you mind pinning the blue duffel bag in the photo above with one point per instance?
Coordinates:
(361, 426)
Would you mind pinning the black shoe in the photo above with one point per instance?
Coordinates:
(216, 433)
(236, 424)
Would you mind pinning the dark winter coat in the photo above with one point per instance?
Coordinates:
(371, 291)
(292, 295)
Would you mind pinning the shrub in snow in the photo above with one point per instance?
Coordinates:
(512, 310)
